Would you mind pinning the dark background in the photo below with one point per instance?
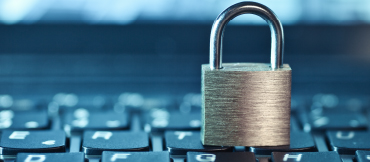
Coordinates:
(165, 58)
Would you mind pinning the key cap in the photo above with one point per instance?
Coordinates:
(82, 119)
(23, 120)
(51, 157)
(160, 120)
(362, 156)
(299, 141)
(95, 142)
(347, 142)
(180, 142)
(221, 156)
(13, 142)
(306, 157)
(109, 156)
(333, 121)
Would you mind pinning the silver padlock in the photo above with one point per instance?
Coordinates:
(246, 104)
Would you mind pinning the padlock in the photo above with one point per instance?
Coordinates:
(246, 104)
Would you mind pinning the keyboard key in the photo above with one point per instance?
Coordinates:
(333, 121)
(160, 120)
(347, 142)
(6, 101)
(363, 156)
(65, 100)
(51, 157)
(109, 156)
(180, 142)
(329, 103)
(221, 156)
(132, 101)
(294, 125)
(298, 102)
(20, 103)
(299, 141)
(95, 142)
(23, 120)
(13, 142)
(82, 119)
(306, 157)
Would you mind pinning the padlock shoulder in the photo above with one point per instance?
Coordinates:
(246, 67)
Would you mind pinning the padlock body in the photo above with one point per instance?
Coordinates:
(246, 104)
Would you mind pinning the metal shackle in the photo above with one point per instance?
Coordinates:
(218, 27)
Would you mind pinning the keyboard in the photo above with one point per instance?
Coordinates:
(140, 127)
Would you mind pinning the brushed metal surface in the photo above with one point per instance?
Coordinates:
(246, 104)
(218, 28)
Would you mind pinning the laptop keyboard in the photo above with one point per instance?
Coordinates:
(135, 127)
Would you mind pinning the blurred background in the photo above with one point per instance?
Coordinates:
(156, 48)
(291, 12)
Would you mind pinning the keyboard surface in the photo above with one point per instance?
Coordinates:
(136, 127)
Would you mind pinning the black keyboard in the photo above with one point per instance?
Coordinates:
(136, 127)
